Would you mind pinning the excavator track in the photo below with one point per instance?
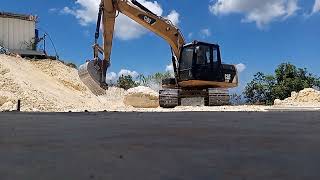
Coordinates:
(169, 98)
(90, 76)
(217, 97)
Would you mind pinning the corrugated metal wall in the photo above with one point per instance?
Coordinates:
(16, 33)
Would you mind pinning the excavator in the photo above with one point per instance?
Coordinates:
(198, 68)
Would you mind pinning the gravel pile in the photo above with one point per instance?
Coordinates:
(142, 97)
(306, 98)
(49, 85)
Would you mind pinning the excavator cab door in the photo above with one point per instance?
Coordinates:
(206, 63)
(186, 63)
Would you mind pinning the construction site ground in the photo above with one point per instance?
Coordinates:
(164, 146)
(53, 138)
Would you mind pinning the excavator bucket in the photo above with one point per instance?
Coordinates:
(90, 75)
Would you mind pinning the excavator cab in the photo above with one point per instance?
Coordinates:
(200, 63)
(200, 73)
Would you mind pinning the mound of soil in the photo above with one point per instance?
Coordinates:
(307, 97)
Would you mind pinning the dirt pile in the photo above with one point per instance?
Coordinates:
(307, 97)
(6, 101)
(142, 97)
(49, 85)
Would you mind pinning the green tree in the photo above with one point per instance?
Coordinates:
(126, 82)
(264, 89)
(258, 91)
(236, 99)
(71, 65)
(153, 80)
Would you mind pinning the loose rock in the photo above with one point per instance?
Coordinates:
(307, 97)
(142, 97)
(8, 106)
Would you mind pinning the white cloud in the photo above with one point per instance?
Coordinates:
(86, 11)
(169, 68)
(67, 10)
(112, 77)
(52, 10)
(292, 8)
(125, 72)
(204, 33)
(125, 29)
(258, 11)
(174, 17)
(316, 7)
(241, 67)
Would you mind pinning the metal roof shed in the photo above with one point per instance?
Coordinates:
(17, 31)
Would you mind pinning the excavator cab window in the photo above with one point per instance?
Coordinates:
(203, 55)
(215, 55)
(186, 58)
(208, 56)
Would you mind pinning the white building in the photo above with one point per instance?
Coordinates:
(17, 32)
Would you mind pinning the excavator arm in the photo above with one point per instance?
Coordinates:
(93, 73)
(159, 25)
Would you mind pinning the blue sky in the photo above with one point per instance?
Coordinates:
(258, 34)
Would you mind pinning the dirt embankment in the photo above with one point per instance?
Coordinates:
(48, 85)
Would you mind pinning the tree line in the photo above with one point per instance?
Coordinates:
(154, 81)
(265, 88)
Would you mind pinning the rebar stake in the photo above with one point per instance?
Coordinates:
(19, 105)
